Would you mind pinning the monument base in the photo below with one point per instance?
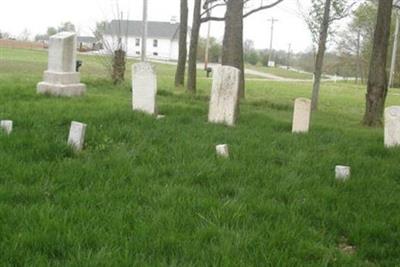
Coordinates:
(78, 89)
(61, 84)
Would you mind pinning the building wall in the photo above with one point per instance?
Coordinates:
(165, 50)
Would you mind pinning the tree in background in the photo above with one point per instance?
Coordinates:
(66, 27)
(235, 12)
(214, 51)
(51, 31)
(114, 49)
(100, 30)
(321, 15)
(250, 54)
(194, 40)
(355, 42)
(377, 78)
(24, 35)
(183, 29)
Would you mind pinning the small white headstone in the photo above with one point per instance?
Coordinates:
(77, 135)
(144, 88)
(222, 151)
(301, 115)
(342, 173)
(224, 95)
(160, 117)
(6, 126)
(392, 126)
(271, 64)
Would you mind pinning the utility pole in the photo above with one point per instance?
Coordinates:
(394, 53)
(288, 56)
(144, 31)
(272, 20)
(206, 56)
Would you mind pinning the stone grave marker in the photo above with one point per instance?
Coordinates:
(61, 78)
(76, 137)
(222, 151)
(301, 115)
(224, 96)
(342, 173)
(6, 126)
(144, 88)
(392, 126)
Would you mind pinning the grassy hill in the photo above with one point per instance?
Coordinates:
(148, 192)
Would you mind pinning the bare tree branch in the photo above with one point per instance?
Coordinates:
(210, 18)
(262, 8)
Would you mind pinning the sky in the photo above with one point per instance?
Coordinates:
(35, 16)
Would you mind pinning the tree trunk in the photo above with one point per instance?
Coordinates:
(358, 74)
(180, 70)
(119, 66)
(377, 78)
(194, 40)
(232, 50)
(319, 61)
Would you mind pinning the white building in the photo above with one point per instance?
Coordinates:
(162, 38)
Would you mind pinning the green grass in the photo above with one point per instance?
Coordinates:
(148, 192)
(284, 73)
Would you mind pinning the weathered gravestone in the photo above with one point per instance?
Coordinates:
(222, 151)
(61, 78)
(224, 96)
(301, 115)
(342, 173)
(160, 117)
(76, 137)
(392, 126)
(144, 88)
(6, 126)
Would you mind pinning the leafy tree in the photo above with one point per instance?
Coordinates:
(319, 19)
(51, 31)
(251, 57)
(66, 27)
(214, 52)
(250, 54)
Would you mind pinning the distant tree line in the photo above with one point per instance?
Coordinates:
(63, 27)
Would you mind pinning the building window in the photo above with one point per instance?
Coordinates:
(155, 43)
(138, 53)
(137, 42)
(155, 54)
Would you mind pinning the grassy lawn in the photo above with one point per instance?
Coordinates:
(148, 192)
(284, 73)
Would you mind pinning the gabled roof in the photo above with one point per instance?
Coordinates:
(133, 28)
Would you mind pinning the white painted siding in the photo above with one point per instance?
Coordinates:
(165, 50)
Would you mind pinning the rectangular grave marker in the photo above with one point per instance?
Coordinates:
(301, 115)
(76, 137)
(224, 96)
(6, 126)
(392, 126)
(144, 88)
(342, 173)
(222, 151)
